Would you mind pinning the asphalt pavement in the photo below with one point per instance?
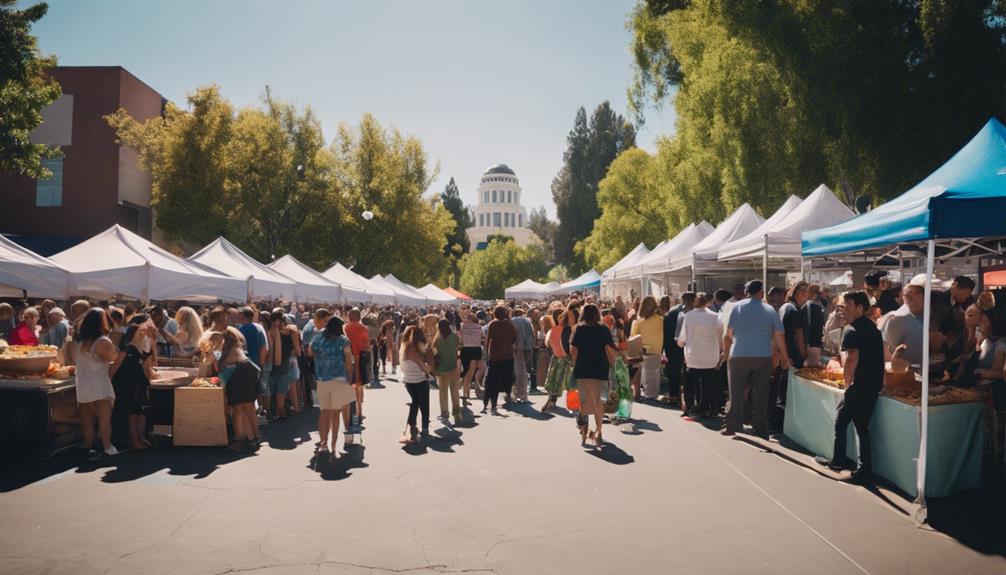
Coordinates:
(509, 494)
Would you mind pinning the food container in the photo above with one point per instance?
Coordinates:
(33, 364)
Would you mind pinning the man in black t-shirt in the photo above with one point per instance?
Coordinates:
(863, 369)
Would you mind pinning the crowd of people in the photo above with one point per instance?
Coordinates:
(722, 355)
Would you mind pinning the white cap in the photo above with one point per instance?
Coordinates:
(919, 280)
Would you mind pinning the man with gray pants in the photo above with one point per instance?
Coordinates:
(751, 329)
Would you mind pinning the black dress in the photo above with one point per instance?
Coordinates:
(242, 386)
(131, 384)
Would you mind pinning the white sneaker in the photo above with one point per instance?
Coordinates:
(111, 450)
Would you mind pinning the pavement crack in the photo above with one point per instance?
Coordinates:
(163, 539)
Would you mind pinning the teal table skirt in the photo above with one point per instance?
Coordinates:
(955, 437)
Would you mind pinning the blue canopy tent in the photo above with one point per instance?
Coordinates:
(964, 198)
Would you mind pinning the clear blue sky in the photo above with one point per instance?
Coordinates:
(479, 82)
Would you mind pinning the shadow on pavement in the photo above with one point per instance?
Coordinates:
(612, 454)
(336, 469)
(529, 411)
(198, 462)
(290, 433)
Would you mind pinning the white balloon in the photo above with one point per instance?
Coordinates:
(368, 215)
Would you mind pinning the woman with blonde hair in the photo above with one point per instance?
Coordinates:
(416, 377)
(650, 326)
(240, 377)
(185, 341)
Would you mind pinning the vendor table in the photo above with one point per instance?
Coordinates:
(160, 417)
(38, 417)
(955, 437)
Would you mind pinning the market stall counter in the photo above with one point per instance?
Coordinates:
(160, 419)
(956, 427)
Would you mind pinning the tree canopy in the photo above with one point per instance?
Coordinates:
(488, 272)
(632, 210)
(25, 90)
(776, 97)
(590, 148)
(264, 178)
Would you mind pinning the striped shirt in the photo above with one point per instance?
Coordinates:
(471, 334)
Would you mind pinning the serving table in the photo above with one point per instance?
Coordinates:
(38, 416)
(955, 436)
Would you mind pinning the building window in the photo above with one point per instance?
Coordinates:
(496, 220)
(506, 219)
(521, 220)
(494, 196)
(509, 196)
(485, 197)
(49, 193)
(482, 220)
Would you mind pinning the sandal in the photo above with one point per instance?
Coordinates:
(598, 440)
(236, 445)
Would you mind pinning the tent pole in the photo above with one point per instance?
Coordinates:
(920, 470)
(764, 265)
(803, 272)
(694, 287)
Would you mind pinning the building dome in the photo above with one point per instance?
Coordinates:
(499, 169)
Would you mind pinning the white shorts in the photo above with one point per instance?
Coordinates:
(335, 393)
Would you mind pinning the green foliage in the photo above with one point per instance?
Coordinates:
(487, 273)
(776, 97)
(25, 90)
(544, 229)
(457, 240)
(590, 149)
(264, 178)
(557, 273)
(631, 210)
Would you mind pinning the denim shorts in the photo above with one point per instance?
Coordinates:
(279, 383)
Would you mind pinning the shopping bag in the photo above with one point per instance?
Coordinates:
(573, 400)
(624, 409)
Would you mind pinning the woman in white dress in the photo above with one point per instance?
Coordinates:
(95, 352)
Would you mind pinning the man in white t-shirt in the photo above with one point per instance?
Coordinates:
(702, 336)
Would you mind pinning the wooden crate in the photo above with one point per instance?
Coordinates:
(199, 416)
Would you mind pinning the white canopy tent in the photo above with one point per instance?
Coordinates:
(437, 295)
(528, 289)
(659, 260)
(743, 221)
(752, 244)
(404, 293)
(23, 271)
(263, 281)
(620, 272)
(312, 287)
(588, 280)
(356, 286)
(782, 238)
(119, 262)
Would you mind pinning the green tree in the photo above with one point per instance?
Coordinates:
(590, 148)
(264, 178)
(631, 211)
(25, 90)
(457, 241)
(776, 97)
(386, 172)
(544, 229)
(488, 272)
(185, 152)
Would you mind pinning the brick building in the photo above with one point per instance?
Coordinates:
(97, 183)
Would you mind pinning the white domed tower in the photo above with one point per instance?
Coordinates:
(498, 210)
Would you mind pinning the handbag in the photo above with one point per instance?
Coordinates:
(573, 400)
